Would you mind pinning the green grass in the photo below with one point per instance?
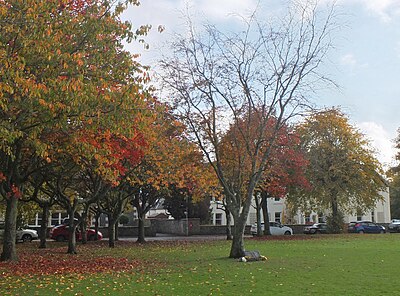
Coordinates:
(328, 265)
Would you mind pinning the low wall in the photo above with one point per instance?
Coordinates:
(130, 231)
(177, 227)
(297, 228)
(218, 229)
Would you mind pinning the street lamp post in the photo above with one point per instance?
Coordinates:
(187, 222)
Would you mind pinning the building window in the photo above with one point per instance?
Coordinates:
(277, 199)
(359, 217)
(373, 216)
(277, 216)
(33, 222)
(103, 221)
(218, 219)
(55, 219)
(39, 219)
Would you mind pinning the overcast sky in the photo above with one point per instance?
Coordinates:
(365, 62)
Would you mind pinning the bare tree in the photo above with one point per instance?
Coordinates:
(232, 81)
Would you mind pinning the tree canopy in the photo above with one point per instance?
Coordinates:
(220, 78)
(343, 171)
(63, 70)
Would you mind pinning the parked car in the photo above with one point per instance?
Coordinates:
(394, 226)
(23, 234)
(316, 228)
(276, 228)
(60, 233)
(66, 221)
(365, 227)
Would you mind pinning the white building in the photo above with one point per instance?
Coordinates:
(277, 212)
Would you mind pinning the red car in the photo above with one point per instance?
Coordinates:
(60, 233)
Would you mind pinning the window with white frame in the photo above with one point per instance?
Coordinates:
(277, 216)
(218, 219)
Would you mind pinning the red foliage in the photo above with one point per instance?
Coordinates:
(286, 166)
(75, 6)
(56, 261)
(2, 177)
(15, 192)
(116, 151)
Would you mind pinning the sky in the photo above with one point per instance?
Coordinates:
(365, 62)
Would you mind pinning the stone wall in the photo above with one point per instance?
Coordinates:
(218, 229)
(177, 227)
(130, 231)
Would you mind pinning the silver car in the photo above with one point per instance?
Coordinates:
(24, 235)
(276, 228)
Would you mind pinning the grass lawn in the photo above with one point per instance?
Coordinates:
(323, 265)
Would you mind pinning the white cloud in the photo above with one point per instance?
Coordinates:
(171, 15)
(348, 60)
(224, 8)
(381, 140)
(398, 49)
(386, 10)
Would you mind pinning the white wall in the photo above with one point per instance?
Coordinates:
(381, 213)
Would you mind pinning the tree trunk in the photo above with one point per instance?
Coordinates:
(335, 221)
(141, 236)
(111, 232)
(43, 226)
(237, 247)
(228, 224)
(116, 231)
(240, 219)
(72, 233)
(264, 205)
(10, 230)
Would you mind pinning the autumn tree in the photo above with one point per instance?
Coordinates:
(219, 78)
(113, 204)
(63, 68)
(344, 174)
(285, 169)
(105, 186)
(45, 201)
(170, 161)
(101, 179)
